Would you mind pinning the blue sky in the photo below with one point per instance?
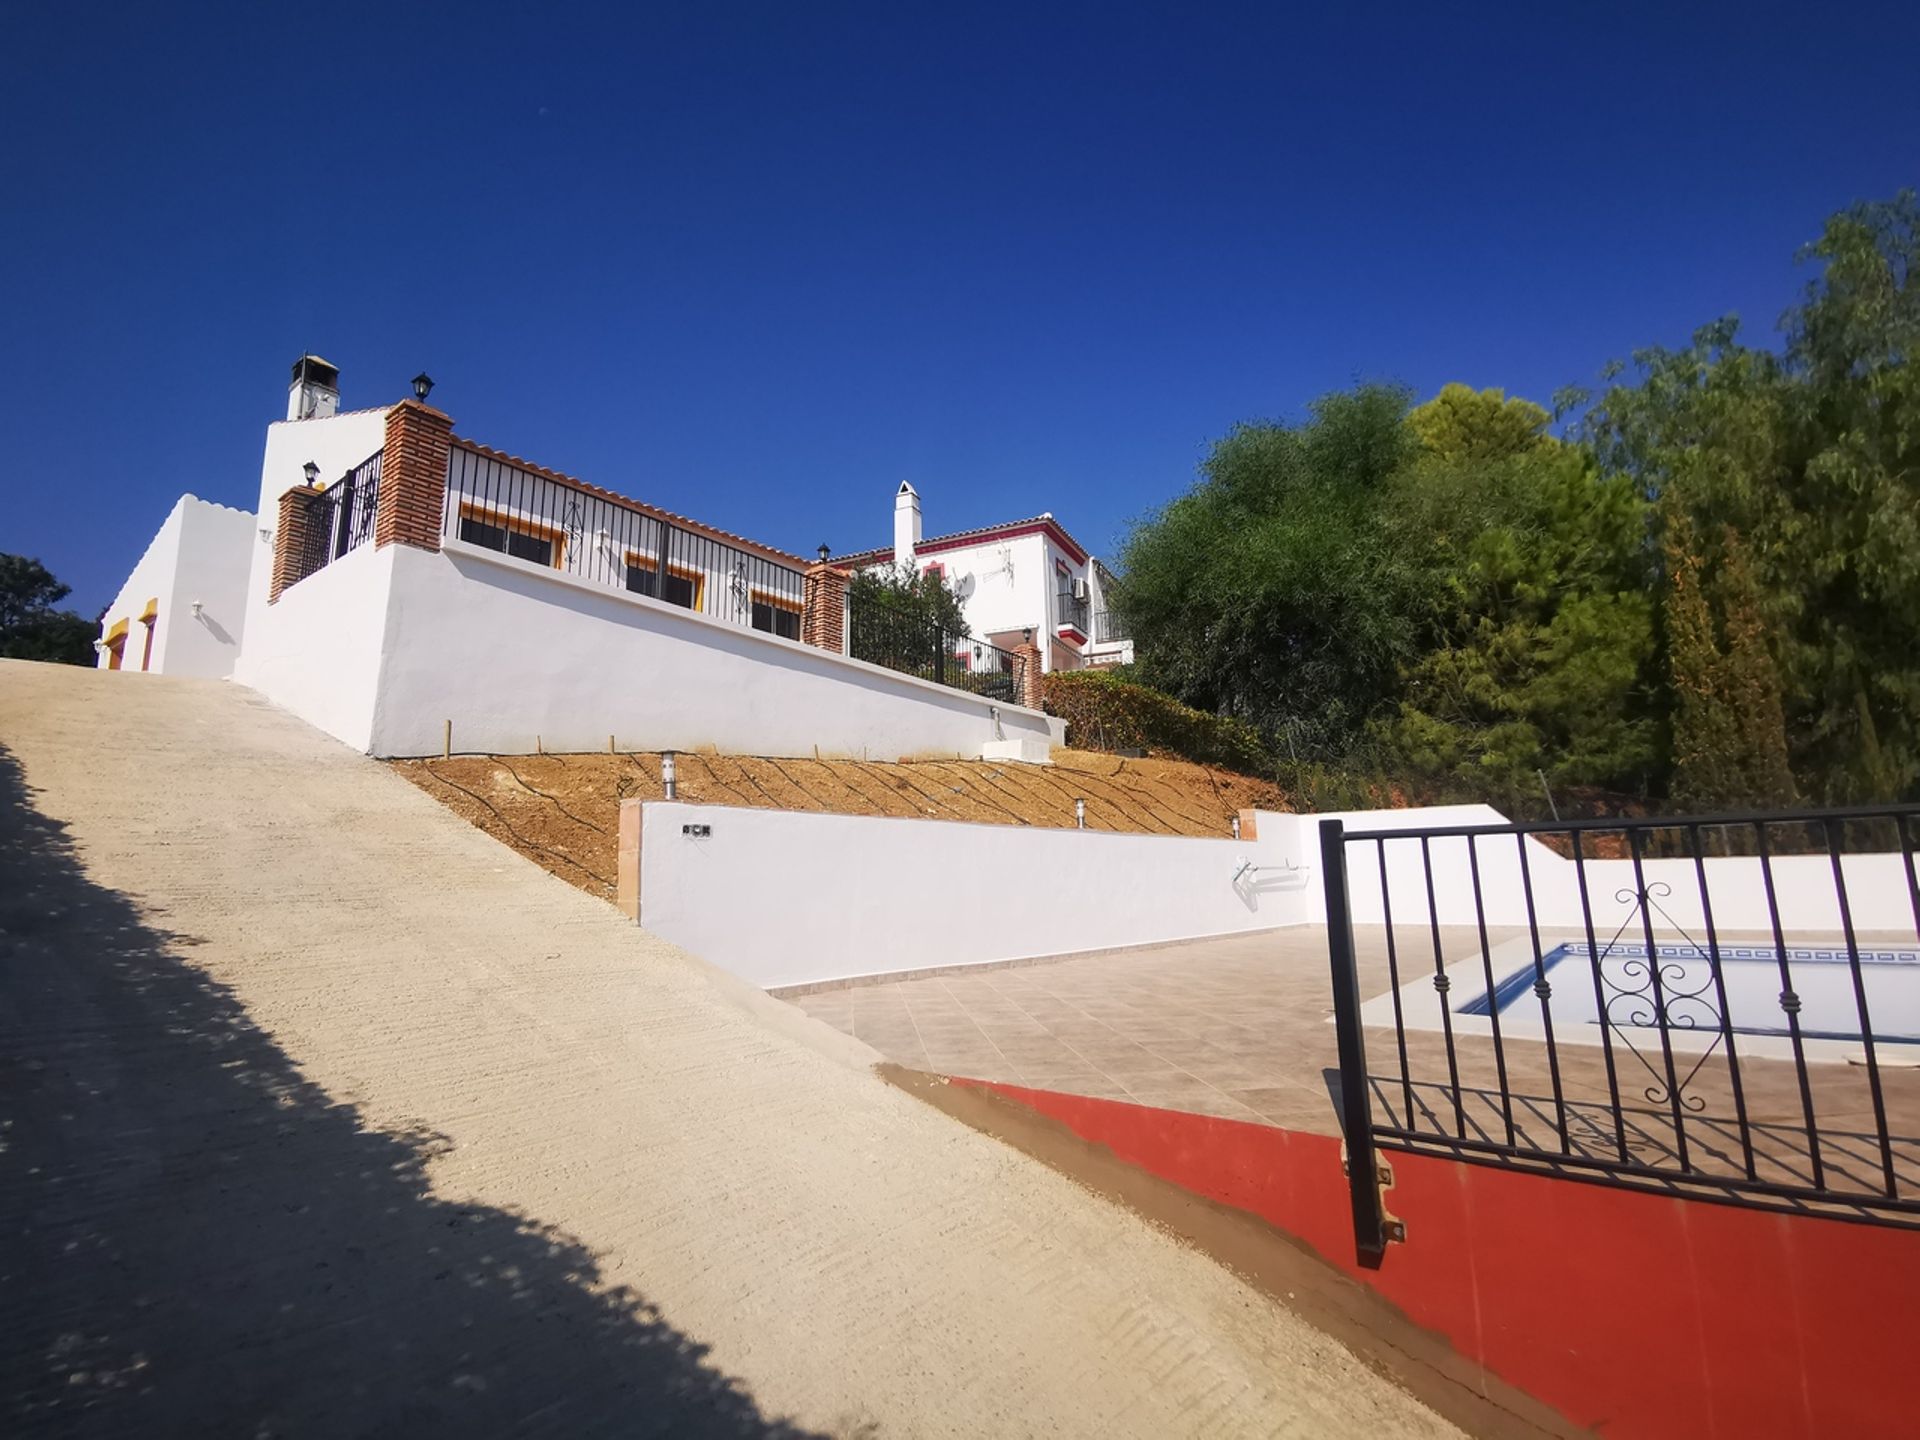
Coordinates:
(761, 263)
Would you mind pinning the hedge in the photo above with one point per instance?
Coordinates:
(1105, 713)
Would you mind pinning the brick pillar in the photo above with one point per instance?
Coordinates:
(290, 534)
(1028, 655)
(627, 861)
(413, 477)
(823, 621)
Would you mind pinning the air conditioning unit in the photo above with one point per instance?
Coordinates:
(1079, 589)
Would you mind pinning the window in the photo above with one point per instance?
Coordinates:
(676, 587)
(516, 543)
(775, 617)
(681, 590)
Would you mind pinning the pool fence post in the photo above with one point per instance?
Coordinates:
(1364, 1173)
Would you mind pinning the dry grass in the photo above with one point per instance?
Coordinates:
(561, 811)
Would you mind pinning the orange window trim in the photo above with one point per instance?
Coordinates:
(533, 529)
(778, 602)
(636, 560)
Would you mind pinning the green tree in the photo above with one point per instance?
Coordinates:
(1538, 634)
(1729, 726)
(908, 596)
(1272, 591)
(1810, 458)
(30, 628)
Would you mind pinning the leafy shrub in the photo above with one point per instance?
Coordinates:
(1106, 713)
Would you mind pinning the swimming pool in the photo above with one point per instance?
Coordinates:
(1749, 992)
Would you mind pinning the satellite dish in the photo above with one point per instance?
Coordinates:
(963, 587)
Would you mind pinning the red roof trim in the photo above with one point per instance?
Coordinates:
(710, 531)
(1010, 531)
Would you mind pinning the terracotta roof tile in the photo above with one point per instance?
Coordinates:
(978, 532)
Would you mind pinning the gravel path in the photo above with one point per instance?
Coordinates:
(324, 1114)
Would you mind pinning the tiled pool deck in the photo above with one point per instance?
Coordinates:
(1238, 1027)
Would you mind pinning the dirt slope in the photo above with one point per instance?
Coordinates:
(561, 811)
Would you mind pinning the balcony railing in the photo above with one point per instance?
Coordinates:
(1109, 628)
(1069, 610)
(340, 518)
(494, 503)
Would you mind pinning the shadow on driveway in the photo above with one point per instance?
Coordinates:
(196, 1240)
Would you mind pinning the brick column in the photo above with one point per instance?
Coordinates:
(823, 621)
(290, 534)
(413, 477)
(627, 861)
(1028, 654)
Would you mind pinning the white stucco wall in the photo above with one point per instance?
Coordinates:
(1803, 884)
(336, 444)
(318, 651)
(202, 552)
(509, 651)
(785, 898)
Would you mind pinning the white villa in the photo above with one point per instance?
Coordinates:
(1012, 578)
(414, 592)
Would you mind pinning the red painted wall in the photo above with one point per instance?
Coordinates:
(1635, 1314)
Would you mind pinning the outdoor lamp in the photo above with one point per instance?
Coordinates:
(422, 386)
(824, 552)
(312, 472)
(1027, 635)
(666, 773)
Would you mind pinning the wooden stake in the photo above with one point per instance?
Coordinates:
(538, 748)
(610, 749)
(446, 742)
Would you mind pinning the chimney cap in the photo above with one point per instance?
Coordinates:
(906, 489)
(312, 369)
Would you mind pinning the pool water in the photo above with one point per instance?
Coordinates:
(1749, 989)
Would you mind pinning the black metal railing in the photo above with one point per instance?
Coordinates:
(1725, 1007)
(340, 518)
(1109, 628)
(910, 644)
(501, 506)
(1070, 609)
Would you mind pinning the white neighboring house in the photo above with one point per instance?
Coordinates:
(183, 610)
(1010, 578)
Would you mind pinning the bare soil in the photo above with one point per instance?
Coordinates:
(562, 811)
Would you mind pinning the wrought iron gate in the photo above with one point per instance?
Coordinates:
(1722, 1007)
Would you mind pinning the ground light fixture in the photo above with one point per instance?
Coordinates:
(422, 386)
(1080, 814)
(666, 772)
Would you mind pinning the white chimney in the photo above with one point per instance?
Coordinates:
(315, 391)
(906, 524)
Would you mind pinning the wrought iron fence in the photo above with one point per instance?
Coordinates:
(1109, 628)
(1692, 1005)
(340, 518)
(910, 644)
(501, 506)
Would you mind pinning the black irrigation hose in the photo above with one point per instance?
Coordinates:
(552, 800)
(825, 808)
(988, 780)
(507, 825)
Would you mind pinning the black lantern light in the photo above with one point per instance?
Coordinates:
(824, 552)
(422, 386)
(312, 472)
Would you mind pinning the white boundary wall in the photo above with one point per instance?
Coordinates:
(788, 898)
(201, 552)
(1803, 884)
(784, 898)
(382, 647)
